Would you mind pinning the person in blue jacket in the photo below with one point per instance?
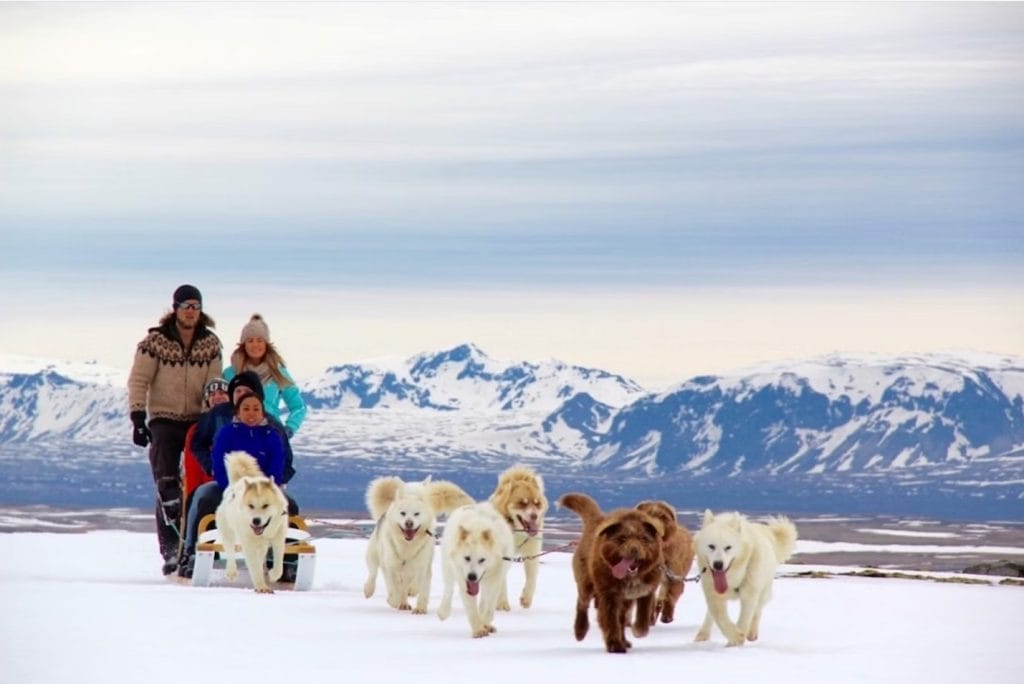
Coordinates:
(221, 415)
(249, 431)
(255, 352)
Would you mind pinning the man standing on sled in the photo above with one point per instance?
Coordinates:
(172, 365)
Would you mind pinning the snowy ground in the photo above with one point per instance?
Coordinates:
(82, 608)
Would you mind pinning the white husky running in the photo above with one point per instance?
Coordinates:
(475, 547)
(402, 544)
(737, 560)
(253, 514)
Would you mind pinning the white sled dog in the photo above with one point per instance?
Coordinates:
(252, 514)
(475, 547)
(519, 497)
(737, 559)
(402, 544)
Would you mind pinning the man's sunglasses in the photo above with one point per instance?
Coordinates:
(190, 306)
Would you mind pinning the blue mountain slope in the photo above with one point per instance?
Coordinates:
(784, 422)
(928, 433)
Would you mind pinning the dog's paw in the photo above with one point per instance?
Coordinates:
(503, 605)
(641, 630)
(491, 628)
(752, 635)
(443, 614)
(264, 590)
(231, 574)
(525, 601)
(702, 636)
(369, 588)
(276, 572)
(581, 626)
(617, 646)
(419, 611)
(736, 640)
(481, 632)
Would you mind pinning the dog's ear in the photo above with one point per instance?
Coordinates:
(501, 494)
(610, 530)
(737, 522)
(653, 526)
(463, 534)
(654, 529)
(709, 517)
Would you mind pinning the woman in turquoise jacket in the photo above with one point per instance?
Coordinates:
(256, 353)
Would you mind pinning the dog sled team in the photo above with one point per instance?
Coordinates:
(230, 463)
(632, 564)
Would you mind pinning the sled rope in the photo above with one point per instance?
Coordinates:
(674, 577)
(523, 559)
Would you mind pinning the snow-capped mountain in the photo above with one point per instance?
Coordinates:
(42, 399)
(465, 378)
(833, 414)
(833, 433)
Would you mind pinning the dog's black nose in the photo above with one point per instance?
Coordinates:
(471, 577)
(256, 522)
(717, 565)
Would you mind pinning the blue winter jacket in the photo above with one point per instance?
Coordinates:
(261, 442)
(220, 415)
(272, 396)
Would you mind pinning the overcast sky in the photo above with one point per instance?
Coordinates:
(659, 189)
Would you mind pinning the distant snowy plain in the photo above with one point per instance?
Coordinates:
(93, 609)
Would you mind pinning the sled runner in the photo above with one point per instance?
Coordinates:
(210, 561)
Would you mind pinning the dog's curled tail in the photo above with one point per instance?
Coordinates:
(784, 537)
(583, 506)
(380, 493)
(241, 464)
(445, 496)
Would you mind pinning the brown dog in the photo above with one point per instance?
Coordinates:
(617, 563)
(677, 549)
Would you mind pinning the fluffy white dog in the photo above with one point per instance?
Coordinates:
(737, 560)
(475, 547)
(253, 514)
(402, 544)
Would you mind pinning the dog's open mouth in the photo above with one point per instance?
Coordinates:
(258, 529)
(529, 526)
(408, 532)
(625, 567)
(720, 580)
(472, 587)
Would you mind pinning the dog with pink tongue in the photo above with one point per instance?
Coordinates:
(738, 559)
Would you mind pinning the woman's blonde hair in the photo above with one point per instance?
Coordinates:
(272, 358)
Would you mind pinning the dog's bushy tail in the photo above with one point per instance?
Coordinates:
(783, 536)
(445, 496)
(583, 506)
(380, 493)
(241, 464)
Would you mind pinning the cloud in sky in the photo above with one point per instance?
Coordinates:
(518, 146)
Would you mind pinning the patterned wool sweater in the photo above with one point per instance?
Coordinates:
(167, 381)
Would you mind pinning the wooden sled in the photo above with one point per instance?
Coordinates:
(210, 553)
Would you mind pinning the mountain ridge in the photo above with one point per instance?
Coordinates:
(915, 425)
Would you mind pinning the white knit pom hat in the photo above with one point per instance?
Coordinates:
(256, 327)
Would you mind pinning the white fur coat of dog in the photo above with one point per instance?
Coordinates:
(402, 545)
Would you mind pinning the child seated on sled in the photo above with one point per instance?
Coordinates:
(249, 431)
(192, 473)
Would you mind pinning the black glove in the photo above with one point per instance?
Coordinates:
(140, 433)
